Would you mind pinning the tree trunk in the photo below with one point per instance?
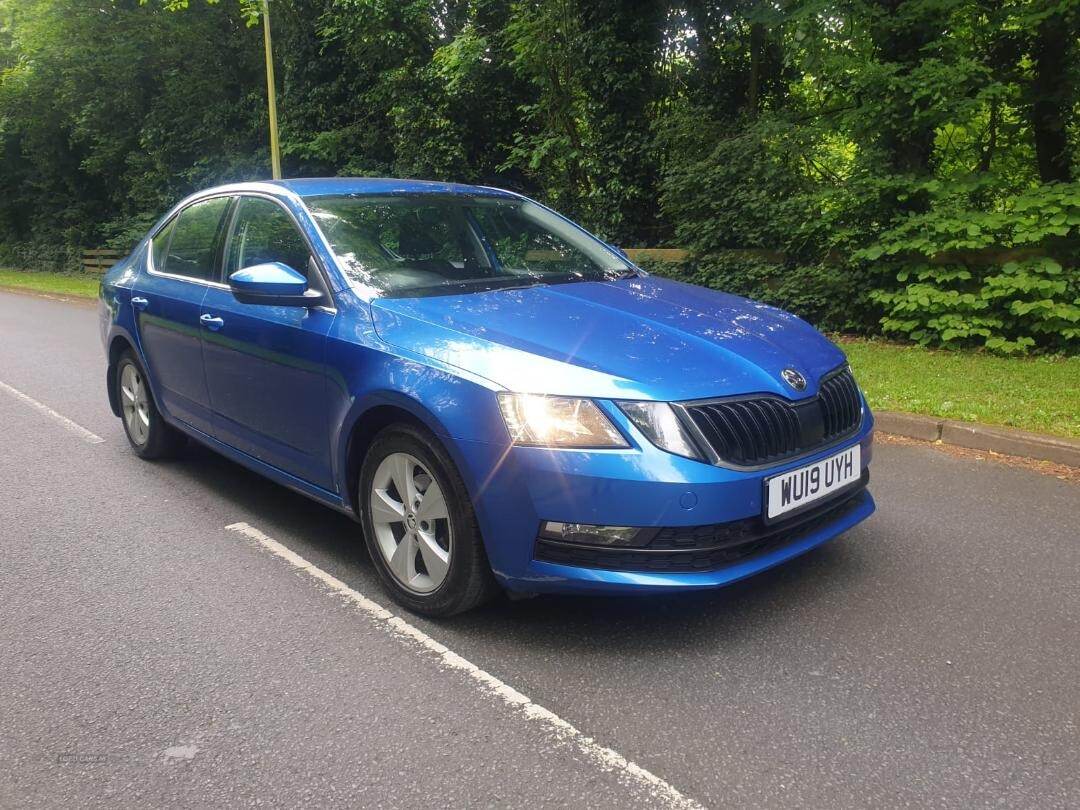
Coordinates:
(900, 39)
(988, 150)
(619, 77)
(1052, 99)
(757, 54)
(706, 61)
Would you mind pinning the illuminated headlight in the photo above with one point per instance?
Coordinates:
(661, 426)
(543, 421)
(591, 535)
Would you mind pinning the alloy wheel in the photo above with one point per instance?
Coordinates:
(411, 522)
(134, 400)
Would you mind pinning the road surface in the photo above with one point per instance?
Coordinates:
(150, 655)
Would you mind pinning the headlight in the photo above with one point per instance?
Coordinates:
(661, 426)
(543, 421)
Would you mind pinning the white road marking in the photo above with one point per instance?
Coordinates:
(179, 752)
(74, 427)
(664, 794)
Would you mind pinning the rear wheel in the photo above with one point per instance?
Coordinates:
(419, 525)
(150, 437)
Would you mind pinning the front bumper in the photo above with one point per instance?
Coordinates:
(514, 489)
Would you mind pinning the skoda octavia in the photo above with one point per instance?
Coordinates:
(499, 398)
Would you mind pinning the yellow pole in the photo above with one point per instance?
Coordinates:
(271, 94)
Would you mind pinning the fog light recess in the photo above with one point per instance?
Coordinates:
(587, 534)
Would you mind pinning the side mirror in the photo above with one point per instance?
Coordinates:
(273, 284)
(618, 250)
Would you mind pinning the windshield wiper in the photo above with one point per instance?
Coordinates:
(521, 285)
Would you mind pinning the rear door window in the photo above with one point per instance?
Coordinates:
(191, 250)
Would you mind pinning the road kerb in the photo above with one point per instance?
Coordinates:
(975, 436)
(911, 425)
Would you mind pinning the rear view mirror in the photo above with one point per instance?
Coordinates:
(272, 284)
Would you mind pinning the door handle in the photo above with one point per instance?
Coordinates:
(139, 303)
(211, 322)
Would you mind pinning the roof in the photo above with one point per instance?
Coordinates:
(322, 186)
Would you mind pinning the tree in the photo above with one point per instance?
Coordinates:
(1053, 86)
(875, 133)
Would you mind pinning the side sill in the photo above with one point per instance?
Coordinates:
(278, 476)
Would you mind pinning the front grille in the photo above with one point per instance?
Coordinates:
(764, 430)
(841, 406)
(700, 548)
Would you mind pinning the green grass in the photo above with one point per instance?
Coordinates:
(1039, 394)
(80, 285)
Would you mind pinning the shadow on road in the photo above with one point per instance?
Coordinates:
(555, 624)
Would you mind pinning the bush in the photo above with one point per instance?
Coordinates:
(961, 300)
(737, 184)
(45, 256)
(1033, 304)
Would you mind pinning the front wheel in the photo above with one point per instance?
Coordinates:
(419, 525)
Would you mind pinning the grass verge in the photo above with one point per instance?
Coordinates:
(1039, 394)
(79, 285)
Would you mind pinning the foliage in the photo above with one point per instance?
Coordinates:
(749, 191)
(1008, 307)
(906, 165)
(1008, 310)
(108, 114)
(952, 224)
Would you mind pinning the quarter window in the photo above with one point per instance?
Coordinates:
(263, 232)
(191, 249)
(161, 245)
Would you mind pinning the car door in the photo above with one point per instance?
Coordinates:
(265, 364)
(180, 266)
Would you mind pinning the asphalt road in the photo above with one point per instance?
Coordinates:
(931, 657)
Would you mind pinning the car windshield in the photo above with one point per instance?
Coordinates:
(409, 245)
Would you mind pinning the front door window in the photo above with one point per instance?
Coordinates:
(263, 232)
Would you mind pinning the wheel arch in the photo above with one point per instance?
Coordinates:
(118, 344)
(383, 410)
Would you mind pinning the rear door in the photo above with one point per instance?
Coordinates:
(265, 365)
(180, 267)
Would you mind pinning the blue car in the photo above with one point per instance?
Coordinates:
(500, 399)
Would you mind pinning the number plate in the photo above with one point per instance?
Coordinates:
(798, 488)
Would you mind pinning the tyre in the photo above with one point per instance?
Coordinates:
(419, 525)
(150, 437)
